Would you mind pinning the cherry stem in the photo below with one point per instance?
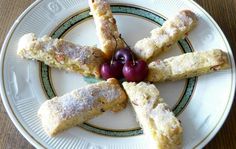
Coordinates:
(112, 59)
(128, 47)
(133, 59)
(124, 41)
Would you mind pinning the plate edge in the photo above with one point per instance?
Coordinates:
(2, 90)
(202, 144)
(224, 116)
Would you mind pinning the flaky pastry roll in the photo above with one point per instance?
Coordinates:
(62, 54)
(162, 38)
(80, 105)
(159, 124)
(187, 65)
(107, 31)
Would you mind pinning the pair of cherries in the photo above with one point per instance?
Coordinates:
(124, 65)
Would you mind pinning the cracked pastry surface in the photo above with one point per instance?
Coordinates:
(187, 65)
(160, 125)
(162, 38)
(62, 54)
(107, 30)
(80, 105)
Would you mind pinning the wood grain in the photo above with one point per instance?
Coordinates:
(223, 11)
(10, 137)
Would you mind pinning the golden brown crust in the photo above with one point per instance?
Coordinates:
(159, 124)
(162, 38)
(187, 65)
(107, 31)
(62, 54)
(80, 105)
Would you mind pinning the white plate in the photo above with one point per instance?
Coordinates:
(201, 103)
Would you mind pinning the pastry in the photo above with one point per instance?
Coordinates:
(159, 124)
(62, 54)
(80, 105)
(107, 31)
(162, 38)
(187, 65)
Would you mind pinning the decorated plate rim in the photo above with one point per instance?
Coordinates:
(37, 144)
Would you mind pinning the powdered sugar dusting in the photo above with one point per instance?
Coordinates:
(164, 119)
(83, 54)
(171, 31)
(62, 47)
(85, 99)
(161, 39)
(185, 20)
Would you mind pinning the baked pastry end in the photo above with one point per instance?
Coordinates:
(160, 125)
(80, 105)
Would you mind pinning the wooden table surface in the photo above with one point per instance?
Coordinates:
(223, 11)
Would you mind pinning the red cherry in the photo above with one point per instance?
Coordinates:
(112, 69)
(135, 71)
(124, 55)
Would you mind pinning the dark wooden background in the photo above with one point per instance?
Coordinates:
(223, 11)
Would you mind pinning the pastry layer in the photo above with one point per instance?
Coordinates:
(187, 65)
(62, 54)
(162, 38)
(107, 31)
(160, 125)
(80, 105)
